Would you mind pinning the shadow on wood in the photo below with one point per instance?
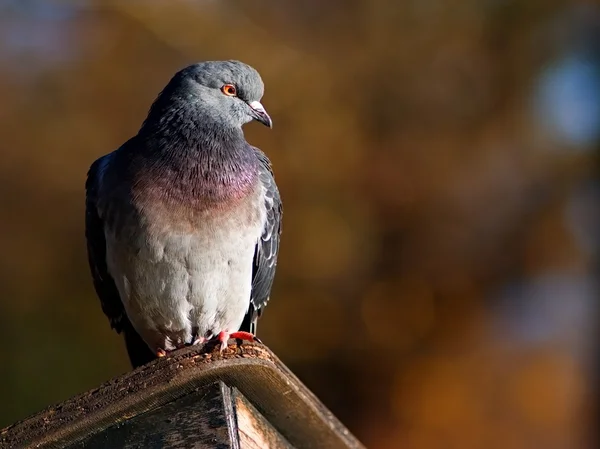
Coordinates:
(242, 398)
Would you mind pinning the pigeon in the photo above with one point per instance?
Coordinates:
(183, 221)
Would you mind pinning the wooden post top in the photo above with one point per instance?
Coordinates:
(269, 388)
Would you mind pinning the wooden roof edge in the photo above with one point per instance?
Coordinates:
(251, 368)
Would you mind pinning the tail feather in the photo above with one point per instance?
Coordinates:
(137, 349)
(249, 323)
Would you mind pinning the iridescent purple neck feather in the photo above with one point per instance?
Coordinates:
(191, 154)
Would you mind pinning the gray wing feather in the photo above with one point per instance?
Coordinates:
(96, 248)
(267, 248)
(110, 300)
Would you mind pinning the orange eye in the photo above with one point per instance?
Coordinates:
(229, 89)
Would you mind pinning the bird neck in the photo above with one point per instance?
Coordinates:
(206, 162)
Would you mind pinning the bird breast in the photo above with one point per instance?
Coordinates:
(182, 270)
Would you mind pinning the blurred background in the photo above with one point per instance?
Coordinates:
(438, 161)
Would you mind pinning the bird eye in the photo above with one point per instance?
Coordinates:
(229, 90)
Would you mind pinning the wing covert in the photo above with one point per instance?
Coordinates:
(96, 248)
(267, 248)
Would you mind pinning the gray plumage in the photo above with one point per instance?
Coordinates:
(183, 220)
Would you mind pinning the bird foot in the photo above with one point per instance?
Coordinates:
(198, 341)
(161, 353)
(240, 336)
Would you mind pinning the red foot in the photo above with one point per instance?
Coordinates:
(246, 336)
(225, 336)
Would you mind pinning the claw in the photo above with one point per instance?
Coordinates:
(161, 353)
(223, 338)
(198, 341)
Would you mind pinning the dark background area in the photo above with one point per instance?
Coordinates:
(438, 163)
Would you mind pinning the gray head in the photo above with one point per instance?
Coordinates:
(214, 93)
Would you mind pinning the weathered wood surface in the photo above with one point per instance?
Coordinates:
(198, 420)
(254, 431)
(270, 398)
(214, 417)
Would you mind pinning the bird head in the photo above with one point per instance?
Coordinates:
(223, 93)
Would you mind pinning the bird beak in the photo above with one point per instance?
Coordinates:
(260, 114)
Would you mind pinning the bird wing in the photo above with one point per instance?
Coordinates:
(110, 300)
(267, 248)
(96, 248)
